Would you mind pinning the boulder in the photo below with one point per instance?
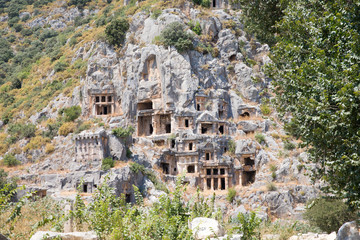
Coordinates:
(64, 236)
(204, 228)
(348, 231)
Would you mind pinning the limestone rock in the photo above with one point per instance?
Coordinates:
(117, 148)
(348, 231)
(64, 236)
(280, 203)
(314, 236)
(204, 228)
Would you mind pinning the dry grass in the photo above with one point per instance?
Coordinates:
(121, 164)
(247, 136)
(31, 213)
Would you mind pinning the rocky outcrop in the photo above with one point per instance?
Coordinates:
(64, 236)
(204, 228)
(314, 236)
(348, 231)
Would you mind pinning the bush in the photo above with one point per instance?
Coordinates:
(248, 226)
(271, 186)
(328, 214)
(10, 160)
(49, 148)
(289, 146)
(128, 153)
(260, 138)
(83, 126)
(175, 35)
(20, 131)
(66, 128)
(204, 3)
(232, 146)
(196, 28)
(36, 143)
(79, 3)
(123, 132)
(231, 195)
(107, 163)
(71, 113)
(60, 66)
(116, 31)
(265, 109)
(135, 167)
(156, 13)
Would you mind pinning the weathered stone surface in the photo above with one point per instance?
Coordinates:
(280, 204)
(314, 236)
(348, 231)
(117, 148)
(64, 236)
(204, 228)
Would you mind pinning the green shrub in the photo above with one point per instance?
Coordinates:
(116, 31)
(232, 146)
(260, 138)
(10, 160)
(231, 195)
(248, 226)
(123, 132)
(128, 153)
(271, 186)
(196, 28)
(273, 175)
(135, 167)
(107, 163)
(79, 3)
(204, 3)
(60, 66)
(70, 113)
(273, 168)
(20, 131)
(265, 109)
(289, 146)
(83, 126)
(175, 35)
(156, 13)
(328, 214)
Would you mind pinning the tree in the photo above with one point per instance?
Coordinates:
(316, 67)
(116, 31)
(175, 35)
(260, 17)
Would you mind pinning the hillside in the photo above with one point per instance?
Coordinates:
(142, 93)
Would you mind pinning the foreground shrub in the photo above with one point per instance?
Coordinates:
(116, 31)
(66, 128)
(175, 35)
(328, 214)
(107, 163)
(10, 160)
(248, 226)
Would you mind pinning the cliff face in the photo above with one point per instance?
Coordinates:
(205, 114)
